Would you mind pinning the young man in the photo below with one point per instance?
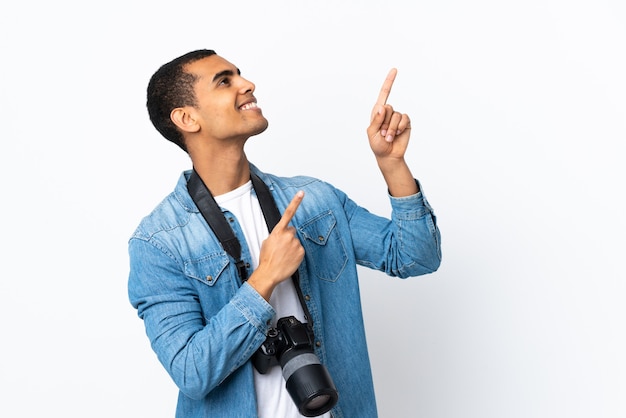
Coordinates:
(207, 313)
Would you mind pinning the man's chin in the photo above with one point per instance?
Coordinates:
(260, 129)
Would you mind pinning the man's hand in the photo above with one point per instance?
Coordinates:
(388, 135)
(281, 253)
(389, 131)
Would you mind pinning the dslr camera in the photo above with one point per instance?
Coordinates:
(308, 382)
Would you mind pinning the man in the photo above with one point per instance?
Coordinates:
(207, 313)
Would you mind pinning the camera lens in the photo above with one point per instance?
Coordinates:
(318, 402)
(311, 387)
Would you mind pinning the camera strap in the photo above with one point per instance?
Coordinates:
(216, 220)
(213, 215)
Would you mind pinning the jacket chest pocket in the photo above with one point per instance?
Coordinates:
(216, 281)
(210, 270)
(324, 247)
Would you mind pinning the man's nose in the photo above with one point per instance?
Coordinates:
(246, 86)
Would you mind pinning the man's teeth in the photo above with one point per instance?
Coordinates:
(247, 106)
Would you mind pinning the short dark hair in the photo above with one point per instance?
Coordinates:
(171, 87)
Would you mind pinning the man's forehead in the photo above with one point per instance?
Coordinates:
(210, 66)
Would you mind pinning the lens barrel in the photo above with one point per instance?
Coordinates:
(309, 384)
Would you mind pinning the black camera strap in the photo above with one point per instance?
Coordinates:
(213, 215)
(216, 220)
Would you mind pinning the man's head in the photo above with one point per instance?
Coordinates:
(200, 92)
(171, 87)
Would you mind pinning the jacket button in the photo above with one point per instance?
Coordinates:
(209, 278)
(318, 344)
(307, 297)
(320, 238)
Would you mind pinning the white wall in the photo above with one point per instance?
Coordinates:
(519, 122)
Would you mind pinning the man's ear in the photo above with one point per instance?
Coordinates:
(184, 119)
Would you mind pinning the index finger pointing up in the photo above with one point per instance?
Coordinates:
(386, 88)
(290, 211)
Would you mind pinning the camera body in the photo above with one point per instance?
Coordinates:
(309, 384)
(283, 342)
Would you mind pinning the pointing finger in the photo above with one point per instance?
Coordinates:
(386, 88)
(290, 211)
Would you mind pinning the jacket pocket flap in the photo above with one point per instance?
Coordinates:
(207, 269)
(318, 229)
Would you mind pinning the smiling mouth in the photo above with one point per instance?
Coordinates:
(248, 106)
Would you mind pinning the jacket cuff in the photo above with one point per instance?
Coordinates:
(253, 307)
(411, 207)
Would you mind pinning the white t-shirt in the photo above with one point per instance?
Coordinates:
(273, 400)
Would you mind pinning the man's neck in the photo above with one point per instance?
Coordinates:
(222, 171)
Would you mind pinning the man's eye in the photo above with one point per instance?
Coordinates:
(224, 81)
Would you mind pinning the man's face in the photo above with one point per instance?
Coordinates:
(226, 106)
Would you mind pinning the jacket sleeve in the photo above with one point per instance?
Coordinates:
(407, 245)
(198, 352)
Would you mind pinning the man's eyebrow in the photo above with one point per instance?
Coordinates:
(225, 73)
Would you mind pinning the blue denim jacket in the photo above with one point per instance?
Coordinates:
(204, 324)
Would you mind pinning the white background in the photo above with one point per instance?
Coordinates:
(519, 122)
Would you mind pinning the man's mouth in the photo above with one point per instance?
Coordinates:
(248, 106)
